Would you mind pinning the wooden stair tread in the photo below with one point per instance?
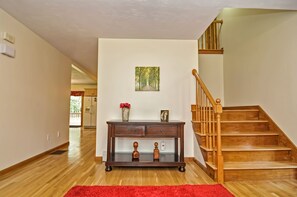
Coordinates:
(235, 110)
(251, 148)
(237, 121)
(256, 165)
(244, 121)
(248, 133)
(244, 133)
(240, 110)
(254, 148)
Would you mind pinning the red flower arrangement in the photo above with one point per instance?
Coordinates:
(125, 105)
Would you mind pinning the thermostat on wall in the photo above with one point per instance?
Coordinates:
(8, 37)
(7, 50)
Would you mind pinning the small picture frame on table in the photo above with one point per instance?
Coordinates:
(164, 115)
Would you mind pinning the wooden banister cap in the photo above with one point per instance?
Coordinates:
(218, 101)
(194, 71)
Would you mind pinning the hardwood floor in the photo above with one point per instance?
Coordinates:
(53, 175)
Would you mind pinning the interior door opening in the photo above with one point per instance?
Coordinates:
(76, 105)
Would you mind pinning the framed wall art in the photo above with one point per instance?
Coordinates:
(147, 78)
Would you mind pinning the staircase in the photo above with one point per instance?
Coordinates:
(253, 146)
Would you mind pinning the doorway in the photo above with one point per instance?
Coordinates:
(90, 108)
(76, 106)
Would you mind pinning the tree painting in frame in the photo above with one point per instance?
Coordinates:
(147, 78)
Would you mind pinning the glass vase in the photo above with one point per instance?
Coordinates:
(125, 114)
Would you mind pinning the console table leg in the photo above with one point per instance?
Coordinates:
(108, 168)
(182, 169)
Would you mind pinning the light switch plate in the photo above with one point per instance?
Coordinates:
(7, 50)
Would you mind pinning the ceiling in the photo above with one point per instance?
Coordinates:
(74, 26)
(78, 77)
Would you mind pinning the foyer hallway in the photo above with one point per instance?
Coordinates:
(54, 175)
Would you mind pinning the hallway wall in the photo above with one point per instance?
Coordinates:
(35, 92)
(260, 62)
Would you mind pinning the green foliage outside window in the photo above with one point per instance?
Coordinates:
(75, 104)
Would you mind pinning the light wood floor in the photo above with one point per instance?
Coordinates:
(53, 175)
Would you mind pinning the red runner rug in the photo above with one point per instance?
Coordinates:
(149, 191)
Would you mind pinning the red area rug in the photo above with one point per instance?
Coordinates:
(149, 191)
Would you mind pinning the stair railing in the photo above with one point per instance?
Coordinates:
(208, 115)
(210, 41)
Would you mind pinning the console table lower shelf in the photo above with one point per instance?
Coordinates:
(145, 160)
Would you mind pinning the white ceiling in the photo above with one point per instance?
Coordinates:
(73, 26)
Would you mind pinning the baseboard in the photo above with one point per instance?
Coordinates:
(200, 165)
(22, 163)
(210, 51)
(98, 159)
(188, 159)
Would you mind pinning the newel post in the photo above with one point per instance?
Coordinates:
(220, 159)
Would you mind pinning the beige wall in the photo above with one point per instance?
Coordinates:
(260, 63)
(211, 72)
(116, 83)
(35, 88)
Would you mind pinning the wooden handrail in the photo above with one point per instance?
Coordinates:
(208, 115)
(203, 86)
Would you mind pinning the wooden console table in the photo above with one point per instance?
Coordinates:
(146, 129)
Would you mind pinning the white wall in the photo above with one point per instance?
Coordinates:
(211, 72)
(260, 63)
(35, 89)
(116, 83)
